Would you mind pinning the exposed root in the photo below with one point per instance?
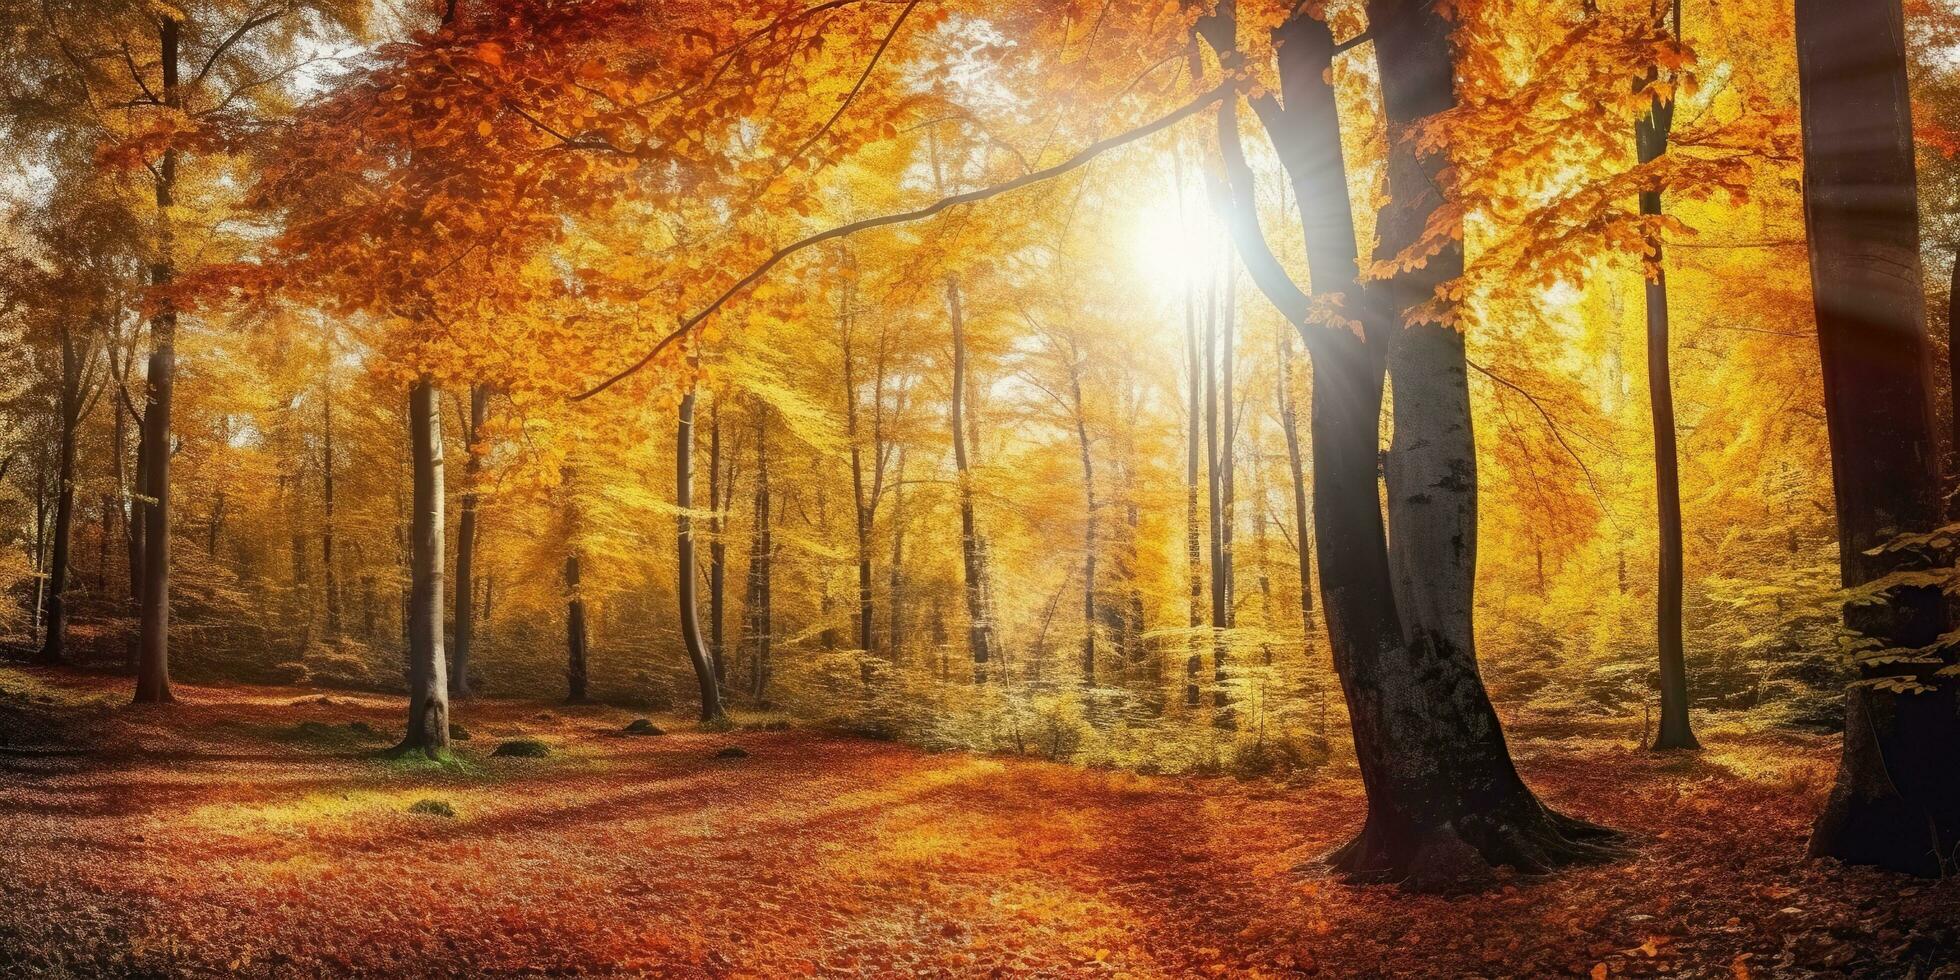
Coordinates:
(1463, 856)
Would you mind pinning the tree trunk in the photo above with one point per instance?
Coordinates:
(1088, 518)
(153, 659)
(979, 631)
(1194, 561)
(1289, 420)
(1650, 143)
(1953, 361)
(135, 517)
(717, 549)
(575, 676)
(54, 612)
(761, 554)
(1223, 594)
(329, 574)
(1896, 803)
(466, 535)
(697, 653)
(895, 576)
(428, 686)
(1444, 801)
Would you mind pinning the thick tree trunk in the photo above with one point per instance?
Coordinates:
(1444, 801)
(1650, 142)
(428, 685)
(697, 652)
(979, 631)
(1896, 803)
(466, 535)
(153, 644)
(575, 644)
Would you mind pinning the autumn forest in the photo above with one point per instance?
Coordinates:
(924, 488)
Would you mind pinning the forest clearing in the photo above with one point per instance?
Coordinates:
(929, 487)
(261, 836)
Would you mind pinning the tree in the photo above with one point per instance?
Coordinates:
(979, 628)
(690, 616)
(428, 682)
(1445, 803)
(1896, 802)
(1650, 139)
(466, 535)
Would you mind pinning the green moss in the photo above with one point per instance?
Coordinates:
(433, 808)
(523, 748)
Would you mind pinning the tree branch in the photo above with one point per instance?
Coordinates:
(1082, 157)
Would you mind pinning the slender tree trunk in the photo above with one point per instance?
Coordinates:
(1896, 803)
(697, 653)
(1088, 518)
(1289, 419)
(979, 630)
(575, 644)
(1223, 588)
(1650, 142)
(1194, 561)
(895, 576)
(135, 517)
(428, 685)
(1953, 362)
(153, 664)
(54, 612)
(717, 548)
(760, 556)
(330, 574)
(466, 535)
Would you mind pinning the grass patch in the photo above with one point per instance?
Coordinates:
(433, 808)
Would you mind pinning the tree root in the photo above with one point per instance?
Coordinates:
(1462, 856)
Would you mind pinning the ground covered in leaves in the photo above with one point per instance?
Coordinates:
(257, 831)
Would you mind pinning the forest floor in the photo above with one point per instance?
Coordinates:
(251, 830)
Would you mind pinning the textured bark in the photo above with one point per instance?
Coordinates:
(466, 535)
(428, 687)
(979, 629)
(697, 652)
(895, 575)
(717, 548)
(1896, 803)
(330, 574)
(153, 632)
(1445, 803)
(1953, 362)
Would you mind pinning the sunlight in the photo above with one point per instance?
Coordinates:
(1170, 249)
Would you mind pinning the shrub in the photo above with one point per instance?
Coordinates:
(433, 808)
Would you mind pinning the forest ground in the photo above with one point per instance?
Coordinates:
(251, 830)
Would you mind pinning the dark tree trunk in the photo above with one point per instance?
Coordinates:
(1226, 466)
(979, 632)
(428, 686)
(1896, 803)
(466, 535)
(1088, 518)
(1953, 360)
(153, 643)
(54, 612)
(895, 575)
(1650, 142)
(575, 676)
(697, 653)
(1444, 801)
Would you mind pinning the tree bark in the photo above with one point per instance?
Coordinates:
(1289, 421)
(697, 653)
(1194, 561)
(329, 574)
(1444, 801)
(761, 553)
(717, 549)
(428, 687)
(1088, 517)
(54, 611)
(466, 535)
(1896, 803)
(575, 644)
(1650, 143)
(153, 644)
(1226, 466)
(979, 629)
